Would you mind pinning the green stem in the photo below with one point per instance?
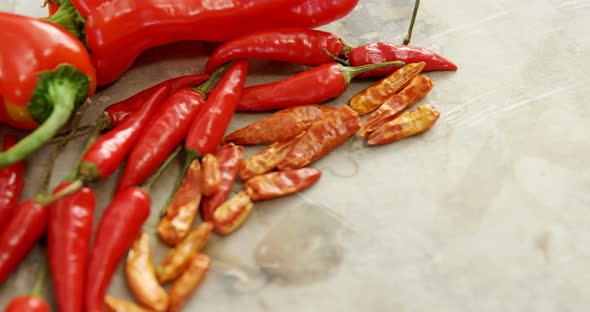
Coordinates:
(45, 199)
(190, 156)
(69, 18)
(411, 28)
(150, 182)
(350, 72)
(37, 290)
(334, 58)
(204, 87)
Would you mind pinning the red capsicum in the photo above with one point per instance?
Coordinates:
(45, 87)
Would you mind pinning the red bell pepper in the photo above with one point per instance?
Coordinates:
(45, 73)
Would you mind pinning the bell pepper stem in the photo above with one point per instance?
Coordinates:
(408, 37)
(69, 18)
(350, 72)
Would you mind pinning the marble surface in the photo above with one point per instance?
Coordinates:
(488, 211)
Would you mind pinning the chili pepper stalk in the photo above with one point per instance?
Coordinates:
(34, 302)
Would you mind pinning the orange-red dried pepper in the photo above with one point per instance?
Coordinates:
(230, 216)
(117, 305)
(267, 159)
(372, 97)
(281, 183)
(322, 137)
(394, 106)
(211, 174)
(408, 124)
(189, 281)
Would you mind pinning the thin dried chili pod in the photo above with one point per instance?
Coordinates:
(189, 281)
(113, 304)
(211, 174)
(232, 214)
(408, 124)
(281, 183)
(267, 159)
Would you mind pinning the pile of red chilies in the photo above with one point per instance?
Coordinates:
(189, 113)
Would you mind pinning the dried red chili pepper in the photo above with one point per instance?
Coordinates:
(230, 158)
(280, 126)
(322, 137)
(177, 259)
(394, 106)
(267, 159)
(374, 96)
(295, 45)
(406, 125)
(188, 282)
(44, 88)
(106, 154)
(165, 130)
(211, 174)
(141, 276)
(281, 183)
(320, 84)
(69, 232)
(231, 215)
(118, 305)
(183, 208)
(12, 183)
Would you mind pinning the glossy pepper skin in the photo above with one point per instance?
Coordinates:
(384, 52)
(230, 158)
(27, 304)
(106, 154)
(322, 137)
(281, 183)
(69, 232)
(228, 217)
(43, 88)
(12, 182)
(118, 227)
(118, 112)
(294, 45)
(312, 86)
(20, 234)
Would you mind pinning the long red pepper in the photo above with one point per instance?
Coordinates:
(12, 183)
(312, 86)
(106, 154)
(295, 45)
(69, 232)
(166, 129)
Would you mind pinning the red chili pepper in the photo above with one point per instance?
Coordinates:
(118, 31)
(53, 7)
(11, 184)
(106, 154)
(295, 45)
(119, 226)
(312, 86)
(281, 183)
(165, 130)
(379, 52)
(28, 304)
(118, 112)
(322, 137)
(230, 158)
(69, 232)
(43, 88)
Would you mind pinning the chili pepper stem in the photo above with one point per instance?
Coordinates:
(350, 72)
(68, 17)
(46, 199)
(335, 58)
(204, 87)
(190, 156)
(150, 182)
(411, 28)
(37, 290)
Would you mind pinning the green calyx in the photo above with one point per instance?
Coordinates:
(350, 72)
(205, 86)
(89, 171)
(69, 18)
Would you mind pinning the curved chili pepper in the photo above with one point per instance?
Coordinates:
(12, 183)
(231, 215)
(27, 304)
(320, 84)
(372, 97)
(267, 159)
(280, 126)
(281, 183)
(106, 154)
(119, 225)
(295, 45)
(165, 130)
(43, 88)
(118, 305)
(177, 259)
(322, 137)
(120, 111)
(141, 276)
(211, 174)
(406, 125)
(394, 106)
(69, 232)
(379, 52)
(230, 158)
(189, 281)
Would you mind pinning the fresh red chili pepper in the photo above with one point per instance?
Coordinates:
(44, 87)
(69, 232)
(295, 45)
(280, 126)
(312, 86)
(267, 159)
(118, 112)
(385, 52)
(165, 130)
(27, 304)
(106, 154)
(211, 174)
(230, 158)
(281, 183)
(12, 183)
(119, 225)
(322, 137)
